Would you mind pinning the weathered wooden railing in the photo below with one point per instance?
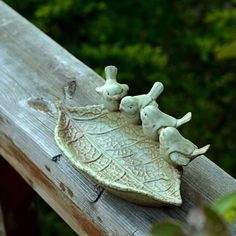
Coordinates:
(33, 66)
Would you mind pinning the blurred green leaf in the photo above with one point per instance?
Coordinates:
(214, 225)
(226, 206)
(167, 229)
(227, 52)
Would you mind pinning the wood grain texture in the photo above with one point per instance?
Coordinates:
(33, 67)
(35, 178)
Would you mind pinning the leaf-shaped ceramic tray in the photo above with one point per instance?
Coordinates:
(117, 155)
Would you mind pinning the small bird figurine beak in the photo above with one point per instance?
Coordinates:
(159, 131)
(116, 97)
(121, 108)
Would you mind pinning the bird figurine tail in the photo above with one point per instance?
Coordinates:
(200, 151)
(111, 72)
(184, 119)
(156, 90)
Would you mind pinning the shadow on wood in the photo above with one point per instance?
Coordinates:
(16, 196)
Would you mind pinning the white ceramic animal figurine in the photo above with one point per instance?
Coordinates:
(179, 150)
(153, 119)
(112, 91)
(131, 106)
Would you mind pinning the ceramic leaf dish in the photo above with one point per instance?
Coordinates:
(139, 163)
(117, 155)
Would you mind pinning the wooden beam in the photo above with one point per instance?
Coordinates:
(47, 190)
(33, 71)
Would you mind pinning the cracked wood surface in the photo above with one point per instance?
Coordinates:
(33, 71)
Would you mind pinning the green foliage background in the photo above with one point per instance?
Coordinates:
(174, 42)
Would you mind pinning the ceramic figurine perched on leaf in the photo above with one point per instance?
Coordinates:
(153, 119)
(112, 91)
(123, 158)
(179, 149)
(132, 105)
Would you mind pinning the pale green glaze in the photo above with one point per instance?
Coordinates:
(117, 155)
(112, 91)
(179, 149)
(137, 163)
(132, 105)
(153, 119)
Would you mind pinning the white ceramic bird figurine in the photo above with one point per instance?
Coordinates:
(153, 119)
(179, 150)
(112, 91)
(131, 106)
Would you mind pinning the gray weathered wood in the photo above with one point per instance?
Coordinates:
(34, 66)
